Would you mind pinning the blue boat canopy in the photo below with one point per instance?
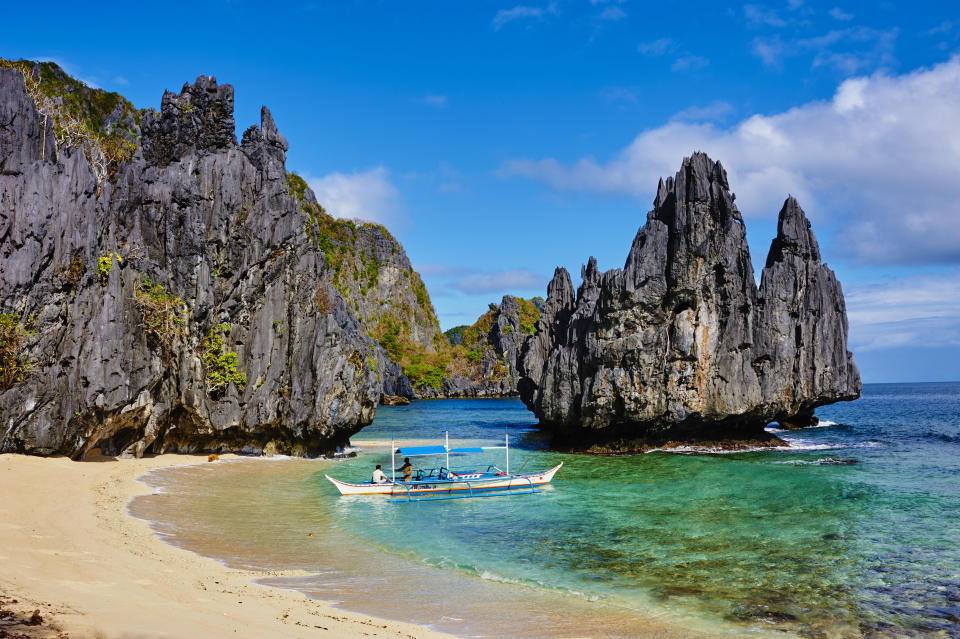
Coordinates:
(422, 450)
(412, 451)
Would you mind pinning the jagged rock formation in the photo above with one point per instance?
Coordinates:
(681, 344)
(369, 269)
(486, 355)
(177, 297)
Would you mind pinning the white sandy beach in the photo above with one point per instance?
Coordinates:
(69, 549)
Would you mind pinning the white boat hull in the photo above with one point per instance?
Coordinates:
(457, 485)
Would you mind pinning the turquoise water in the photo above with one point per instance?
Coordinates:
(854, 532)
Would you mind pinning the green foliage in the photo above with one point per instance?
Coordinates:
(14, 367)
(103, 123)
(298, 186)
(164, 314)
(423, 298)
(475, 355)
(424, 374)
(387, 332)
(221, 363)
(357, 360)
(105, 265)
(371, 271)
(455, 334)
(529, 314)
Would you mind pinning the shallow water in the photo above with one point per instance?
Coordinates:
(856, 532)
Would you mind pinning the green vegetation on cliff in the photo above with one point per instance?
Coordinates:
(221, 364)
(13, 365)
(163, 312)
(368, 268)
(102, 122)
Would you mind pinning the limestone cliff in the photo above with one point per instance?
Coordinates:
(163, 287)
(485, 356)
(680, 344)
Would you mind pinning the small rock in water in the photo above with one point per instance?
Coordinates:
(213, 458)
(35, 619)
(394, 400)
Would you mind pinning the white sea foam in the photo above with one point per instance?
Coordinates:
(822, 461)
(489, 576)
(806, 444)
(711, 450)
(826, 423)
(795, 444)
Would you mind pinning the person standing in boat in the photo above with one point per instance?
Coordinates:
(378, 476)
(406, 469)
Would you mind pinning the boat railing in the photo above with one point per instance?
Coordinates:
(508, 490)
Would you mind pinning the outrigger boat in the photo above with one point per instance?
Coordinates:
(444, 483)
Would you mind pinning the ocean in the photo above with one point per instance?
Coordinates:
(854, 531)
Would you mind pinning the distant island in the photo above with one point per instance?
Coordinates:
(167, 288)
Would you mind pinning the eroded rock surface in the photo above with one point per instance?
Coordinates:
(680, 344)
(239, 340)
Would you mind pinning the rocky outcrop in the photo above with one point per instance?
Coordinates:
(175, 301)
(680, 344)
(485, 357)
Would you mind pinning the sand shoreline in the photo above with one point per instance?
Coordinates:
(70, 550)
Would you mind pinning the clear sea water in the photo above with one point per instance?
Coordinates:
(852, 532)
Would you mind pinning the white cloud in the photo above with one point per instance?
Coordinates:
(839, 14)
(944, 27)
(922, 310)
(851, 50)
(760, 15)
(453, 279)
(612, 14)
(656, 47)
(689, 63)
(367, 195)
(770, 51)
(500, 282)
(519, 12)
(878, 161)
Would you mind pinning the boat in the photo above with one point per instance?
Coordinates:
(445, 483)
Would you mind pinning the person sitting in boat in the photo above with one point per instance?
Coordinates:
(379, 477)
(406, 469)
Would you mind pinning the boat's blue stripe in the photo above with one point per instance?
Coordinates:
(422, 450)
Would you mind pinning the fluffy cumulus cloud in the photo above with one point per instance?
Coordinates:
(367, 195)
(877, 163)
(911, 311)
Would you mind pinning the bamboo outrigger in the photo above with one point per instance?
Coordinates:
(444, 483)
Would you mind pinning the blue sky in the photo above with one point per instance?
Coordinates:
(499, 140)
